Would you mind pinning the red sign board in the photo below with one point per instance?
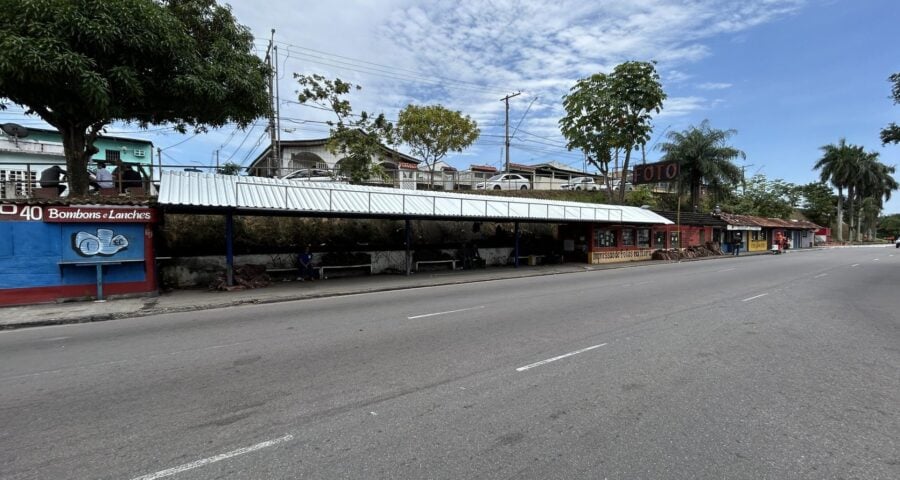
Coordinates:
(70, 214)
(654, 172)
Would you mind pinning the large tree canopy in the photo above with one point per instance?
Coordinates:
(613, 111)
(82, 64)
(431, 131)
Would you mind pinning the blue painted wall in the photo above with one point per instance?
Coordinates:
(30, 253)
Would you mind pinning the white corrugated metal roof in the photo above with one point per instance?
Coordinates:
(193, 189)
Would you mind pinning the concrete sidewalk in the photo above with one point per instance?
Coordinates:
(191, 300)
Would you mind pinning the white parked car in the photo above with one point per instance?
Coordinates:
(505, 181)
(314, 175)
(582, 183)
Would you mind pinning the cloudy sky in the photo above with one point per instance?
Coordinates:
(788, 75)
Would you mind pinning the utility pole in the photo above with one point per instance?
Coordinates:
(273, 152)
(506, 99)
(277, 107)
(217, 160)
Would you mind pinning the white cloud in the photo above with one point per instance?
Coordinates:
(714, 86)
(467, 54)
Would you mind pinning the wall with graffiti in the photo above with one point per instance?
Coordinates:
(47, 256)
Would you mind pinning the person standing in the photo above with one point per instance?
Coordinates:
(737, 244)
(304, 264)
(50, 178)
(103, 177)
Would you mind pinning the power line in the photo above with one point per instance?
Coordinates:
(387, 69)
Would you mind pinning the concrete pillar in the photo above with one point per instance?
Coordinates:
(229, 248)
(516, 252)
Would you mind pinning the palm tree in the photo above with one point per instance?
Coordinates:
(874, 183)
(836, 168)
(703, 157)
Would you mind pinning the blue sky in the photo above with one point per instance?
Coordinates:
(788, 75)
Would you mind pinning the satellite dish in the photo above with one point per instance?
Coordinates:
(14, 130)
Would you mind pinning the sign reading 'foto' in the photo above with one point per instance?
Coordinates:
(37, 213)
(654, 173)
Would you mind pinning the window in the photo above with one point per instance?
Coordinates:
(660, 240)
(702, 236)
(628, 237)
(673, 240)
(643, 238)
(113, 156)
(604, 238)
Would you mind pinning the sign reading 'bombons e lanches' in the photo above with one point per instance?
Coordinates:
(654, 172)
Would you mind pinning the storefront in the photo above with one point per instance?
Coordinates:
(53, 253)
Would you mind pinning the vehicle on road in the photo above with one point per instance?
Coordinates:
(505, 181)
(314, 175)
(582, 183)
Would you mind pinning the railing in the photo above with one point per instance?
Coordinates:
(533, 210)
(30, 146)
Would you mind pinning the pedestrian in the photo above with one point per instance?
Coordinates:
(304, 264)
(737, 245)
(50, 178)
(131, 178)
(103, 177)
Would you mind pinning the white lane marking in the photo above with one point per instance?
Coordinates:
(726, 270)
(642, 283)
(444, 313)
(56, 339)
(855, 265)
(876, 259)
(206, 461)
(821, 275)
(544, 362)
(754, 298)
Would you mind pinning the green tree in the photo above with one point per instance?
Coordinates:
(874, 183)
(889, 226)
(891, 133)
(704, 157)
(431, 131)
(818, 202)
(356, 138)
(836, 167)
(82, 64)
(229, 168)
(764, 198)
(613, 111)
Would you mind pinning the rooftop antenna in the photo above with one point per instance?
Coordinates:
(14, 130)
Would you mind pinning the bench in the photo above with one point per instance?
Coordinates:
(450, 261)
(538, 259)
(334, 267)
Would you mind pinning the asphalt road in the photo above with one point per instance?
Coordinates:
(769, 367)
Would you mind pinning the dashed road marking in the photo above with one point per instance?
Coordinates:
(544, 362)
(754, 298)
(821, 275)
(855, 265)
(206, 461)
(445, 313)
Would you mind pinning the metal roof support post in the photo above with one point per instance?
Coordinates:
(229, 249)
(516, 257)
(408, 257)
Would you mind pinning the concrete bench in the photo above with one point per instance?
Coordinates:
(434, 262)
(334, 267)
(538, 259)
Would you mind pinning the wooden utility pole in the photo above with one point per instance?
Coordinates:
(506, 99)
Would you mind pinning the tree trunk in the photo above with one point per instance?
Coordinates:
(859, 223)
(78, 153)
(851, 211)
(840, 215)
(431, 180)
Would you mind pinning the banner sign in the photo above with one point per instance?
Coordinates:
(654, 172)
(71, 214)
